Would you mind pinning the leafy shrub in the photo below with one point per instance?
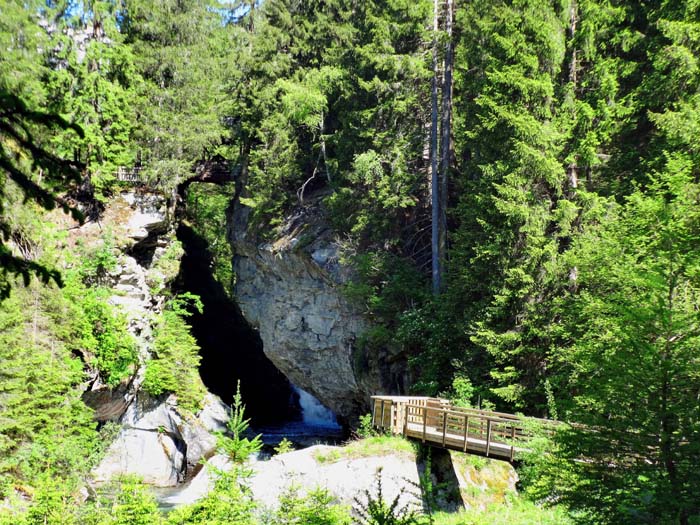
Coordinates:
(366, 429)
(102, 332)
(51, 504)
(462, 391)
(166, 267)
(126, 501)
(284, 446)
(96, 264)
(318, 507)
(229, 503)
(174, 367)
(134, 504)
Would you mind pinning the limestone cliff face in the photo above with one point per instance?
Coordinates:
(139, 226)
(156, 441)
(291, 291)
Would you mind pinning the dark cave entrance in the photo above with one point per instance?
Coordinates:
(231, 349)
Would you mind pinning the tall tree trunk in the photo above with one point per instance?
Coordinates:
(434, 177)
(446, 139)
(572, 169)
(323, 148)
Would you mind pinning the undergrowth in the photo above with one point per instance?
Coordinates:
(368, 447)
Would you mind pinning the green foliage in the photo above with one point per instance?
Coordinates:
(385, 284)
(571, 272)
(29, 165)
(462, 392)
(638, 278)
(52, 503)
(330, 98)
(229, 503)
(376, 511)
(374, 446)
(284, 446)
(180, 54)
(174, 366)
(207, 206)
(134, 504)
(365, 429)
(318, 507)
(99, 87)
(166, 267)
(99, 331)
(97, 263)
(515, 511)
(233, 443)
(379, 191)
(44, 425)
(124, 501)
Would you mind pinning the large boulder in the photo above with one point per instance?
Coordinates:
(161, 445)
(346, 479)
(156, 456)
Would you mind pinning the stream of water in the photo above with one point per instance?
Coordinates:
(318, 424)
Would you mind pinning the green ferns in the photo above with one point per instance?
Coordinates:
(174, 367)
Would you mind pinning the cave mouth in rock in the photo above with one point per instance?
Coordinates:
(230, 348)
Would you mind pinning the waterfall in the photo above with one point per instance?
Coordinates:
(313, 412)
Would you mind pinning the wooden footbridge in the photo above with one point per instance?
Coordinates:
(439, 423)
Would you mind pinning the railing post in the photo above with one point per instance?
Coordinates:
(444, 426)
(425, 418)
(382, 425)
(512, 442)
(466, 431)
(374, 413)
(488, 437)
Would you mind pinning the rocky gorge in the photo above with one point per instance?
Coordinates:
(288, 323)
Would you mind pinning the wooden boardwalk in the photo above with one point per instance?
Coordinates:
(437, 422)
(216, 170)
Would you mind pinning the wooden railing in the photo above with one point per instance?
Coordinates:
(436, 421)
(132, 175)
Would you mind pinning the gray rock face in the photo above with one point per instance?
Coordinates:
(149, 214)
(345, 479)
(308, 329)
(158, 444)
(152, 455)
(291, 291)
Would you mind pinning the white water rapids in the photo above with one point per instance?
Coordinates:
(313, 413)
